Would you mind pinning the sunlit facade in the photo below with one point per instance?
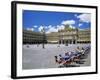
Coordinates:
(63, 36)
(70, 36)
(31, 37)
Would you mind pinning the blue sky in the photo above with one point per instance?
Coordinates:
(53, 21)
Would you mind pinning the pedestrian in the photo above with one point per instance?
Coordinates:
(56, 59)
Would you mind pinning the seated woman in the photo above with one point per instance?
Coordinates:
(78, 51)
(82, 51)
(66, 57)
(72, 55)
(59, 59)
(56, 59)
(63, 59)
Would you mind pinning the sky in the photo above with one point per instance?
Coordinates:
(54, 21)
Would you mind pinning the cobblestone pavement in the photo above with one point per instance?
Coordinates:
(35, 57)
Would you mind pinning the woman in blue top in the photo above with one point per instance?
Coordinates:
(66, 57)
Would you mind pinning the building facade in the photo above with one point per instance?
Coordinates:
(53, 37)
(64, 36)
(31, 37)
(84, 36)
(70, 36)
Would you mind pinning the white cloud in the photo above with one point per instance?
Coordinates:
(40, 28)
(52, 29)
(69, 22)
(30, 29)
(72, 27)
(79, 24)
(46, 27)
(55, 28)
(50, 26)
(85, 17)
(75, 15)
(35, 26)
(59, 27)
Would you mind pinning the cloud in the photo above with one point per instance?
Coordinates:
(50, 26)
(75, 15)
(72, 27)
(79, 24)
(69, 22)
(46, 27)
(35, 26)
(30, 29)
(53, 29)
(85, 18)
(59, 27)
(40, 28)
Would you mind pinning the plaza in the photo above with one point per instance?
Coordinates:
(35, 57)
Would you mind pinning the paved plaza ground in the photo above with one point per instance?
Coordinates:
(35, 57)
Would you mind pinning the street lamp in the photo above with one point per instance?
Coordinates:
(59, 38)
(77, 34)
(73, 35)
(43, 32)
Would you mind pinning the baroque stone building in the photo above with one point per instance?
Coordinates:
(31, 37)
(64, 36)
(70, 36)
